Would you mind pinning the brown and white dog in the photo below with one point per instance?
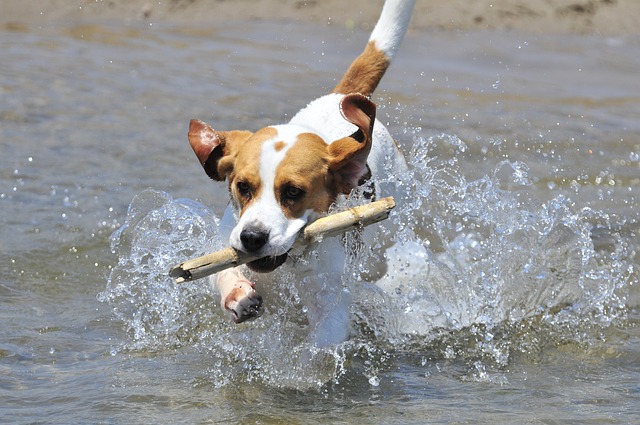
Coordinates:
(283, 177)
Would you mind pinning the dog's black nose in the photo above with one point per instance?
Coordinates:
(253, 239)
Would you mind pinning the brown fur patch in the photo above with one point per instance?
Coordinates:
(278, 146)
(306, 167)
(365, 72)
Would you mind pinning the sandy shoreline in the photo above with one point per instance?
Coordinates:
(598, 17)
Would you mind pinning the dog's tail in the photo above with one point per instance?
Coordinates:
(367, 70)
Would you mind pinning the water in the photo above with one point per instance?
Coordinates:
(512, 295)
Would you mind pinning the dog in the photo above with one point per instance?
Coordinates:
(283, 177)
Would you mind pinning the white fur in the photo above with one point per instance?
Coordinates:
(392, 25)
(324, 294)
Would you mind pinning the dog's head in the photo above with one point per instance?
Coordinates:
(283, 177)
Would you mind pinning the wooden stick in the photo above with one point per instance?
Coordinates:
(331, 225)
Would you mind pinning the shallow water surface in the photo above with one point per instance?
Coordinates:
(511, 294)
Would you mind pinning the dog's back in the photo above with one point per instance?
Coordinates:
(323, 115)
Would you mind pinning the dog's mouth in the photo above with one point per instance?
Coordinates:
(267, 264)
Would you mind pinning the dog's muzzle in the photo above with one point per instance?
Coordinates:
(253, 239)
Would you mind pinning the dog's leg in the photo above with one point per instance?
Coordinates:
(328, 315)
(238, 295)
(325, 297)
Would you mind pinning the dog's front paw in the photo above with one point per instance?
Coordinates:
(243, 304)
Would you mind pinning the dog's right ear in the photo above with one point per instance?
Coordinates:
(215, 149)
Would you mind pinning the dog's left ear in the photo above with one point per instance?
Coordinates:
(348, 161)
(215, 149)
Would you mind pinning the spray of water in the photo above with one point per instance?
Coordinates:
(479, 270)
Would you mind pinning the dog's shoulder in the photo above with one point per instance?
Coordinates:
(323, 116)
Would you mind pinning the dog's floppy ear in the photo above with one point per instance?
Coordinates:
(348, 161)
(214, 149)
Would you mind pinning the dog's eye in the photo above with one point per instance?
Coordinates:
(243, 188)
(293, 193)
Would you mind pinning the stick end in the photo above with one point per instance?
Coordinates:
(179, 274)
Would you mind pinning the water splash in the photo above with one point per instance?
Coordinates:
(481, 271)
(157, 231)
(483, 268)
(162, 315)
